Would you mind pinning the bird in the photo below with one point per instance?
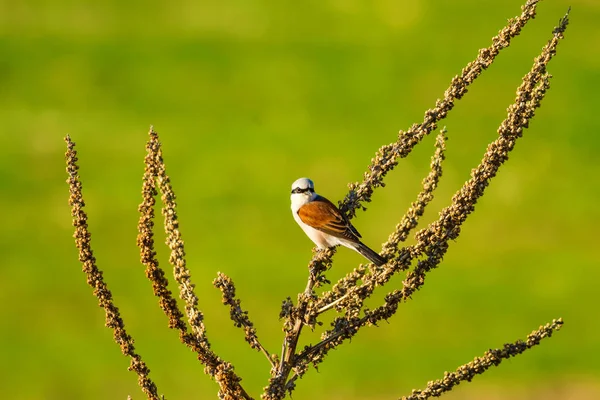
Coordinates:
(324, 223)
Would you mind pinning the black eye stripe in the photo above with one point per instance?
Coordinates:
(300, 190)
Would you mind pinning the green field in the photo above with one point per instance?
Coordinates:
(247, 97)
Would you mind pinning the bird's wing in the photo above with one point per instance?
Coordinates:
(323, 215)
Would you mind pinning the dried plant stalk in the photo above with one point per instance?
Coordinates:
(95, 278)
(433, 241)
(145, 242)
(479, 365)
(351, 297)
(230, 387)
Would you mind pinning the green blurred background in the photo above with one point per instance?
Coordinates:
(247, 97)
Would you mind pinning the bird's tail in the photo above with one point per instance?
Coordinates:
(369, 254)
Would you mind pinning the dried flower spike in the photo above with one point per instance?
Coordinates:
(95, 278)
(479, 365)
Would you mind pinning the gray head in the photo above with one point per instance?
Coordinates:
(303, 185)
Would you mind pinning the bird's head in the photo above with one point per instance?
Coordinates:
(303, 191)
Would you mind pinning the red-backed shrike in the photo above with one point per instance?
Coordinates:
(324, 223)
